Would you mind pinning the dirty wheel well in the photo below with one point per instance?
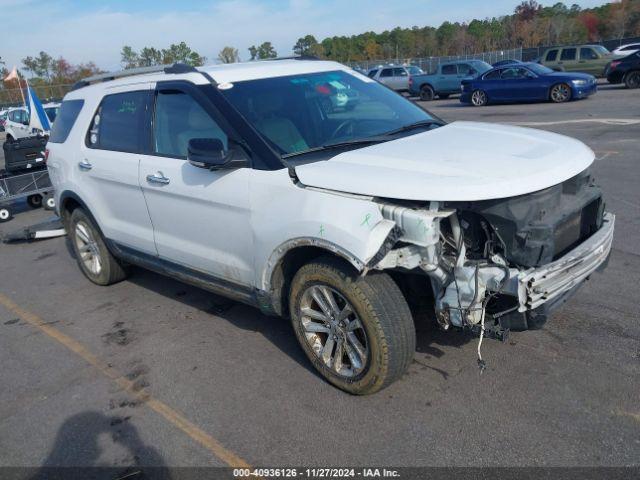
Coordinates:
(289, 265)
(67, 208)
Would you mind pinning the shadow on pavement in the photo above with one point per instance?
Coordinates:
(77, 454)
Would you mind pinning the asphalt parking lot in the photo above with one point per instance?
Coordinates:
(154, 372)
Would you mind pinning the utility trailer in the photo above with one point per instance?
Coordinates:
(35, 186)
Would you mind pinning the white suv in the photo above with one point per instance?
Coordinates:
(234, 178)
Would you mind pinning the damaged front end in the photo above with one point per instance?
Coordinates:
(500, 265)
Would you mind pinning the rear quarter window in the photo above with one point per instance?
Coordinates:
(66, 118)
(552, 56)
(494, 75)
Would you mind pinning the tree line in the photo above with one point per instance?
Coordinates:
(530, 25)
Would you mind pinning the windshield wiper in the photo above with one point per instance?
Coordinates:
(413, 126)
(346, 143)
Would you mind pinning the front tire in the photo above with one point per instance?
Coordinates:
(560, 93)
(357, 331)
(94, 259)
(479, 98)
(426, 93)
(632, 79)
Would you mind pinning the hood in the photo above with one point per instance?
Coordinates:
(572, 75)
(462, 161)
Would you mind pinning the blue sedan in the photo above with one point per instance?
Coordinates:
(526, 82)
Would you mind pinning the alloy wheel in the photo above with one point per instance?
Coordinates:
(333, 331)
(479, 98)
(560, 93)
(88, 248)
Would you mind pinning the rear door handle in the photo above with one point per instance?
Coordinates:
(158, 178)
(85, 165)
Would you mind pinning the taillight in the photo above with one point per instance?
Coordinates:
(615, 64)
(410, 81)
(46, 155)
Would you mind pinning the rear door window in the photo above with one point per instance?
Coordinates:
(66, 118)
(399, 72)
(552, 56)
(568, 54)
(449, 70)
(119, 123)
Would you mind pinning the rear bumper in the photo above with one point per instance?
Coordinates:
(547, 284)
(615, 76)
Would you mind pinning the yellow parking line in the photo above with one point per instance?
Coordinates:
(168, 413)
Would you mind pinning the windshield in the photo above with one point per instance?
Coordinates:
(539, 69)
(601, 50)
(413, 70)
(301, 112)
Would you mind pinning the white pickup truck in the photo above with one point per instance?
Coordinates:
(235, 178)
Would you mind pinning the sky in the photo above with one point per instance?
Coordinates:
(92, 30)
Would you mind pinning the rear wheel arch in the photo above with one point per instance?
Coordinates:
(69, 201)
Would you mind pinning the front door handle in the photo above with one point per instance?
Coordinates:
(158, 178)
(85, 165)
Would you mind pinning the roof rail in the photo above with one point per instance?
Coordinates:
(295, 57)
(105, 77)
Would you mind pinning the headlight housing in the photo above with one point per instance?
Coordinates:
(579, 83)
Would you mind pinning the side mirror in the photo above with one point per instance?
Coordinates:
(25, 122)
(210, 153)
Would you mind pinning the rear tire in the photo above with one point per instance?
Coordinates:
(632, 79)
(364, 339)
(479, 98)
(94, 259)
(5, 214)
(560, 93)
(35, 201)
(426, 93)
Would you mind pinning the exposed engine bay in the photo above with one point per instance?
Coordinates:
(500, 265)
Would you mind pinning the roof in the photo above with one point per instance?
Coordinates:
(239, 72)
(224, 73)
